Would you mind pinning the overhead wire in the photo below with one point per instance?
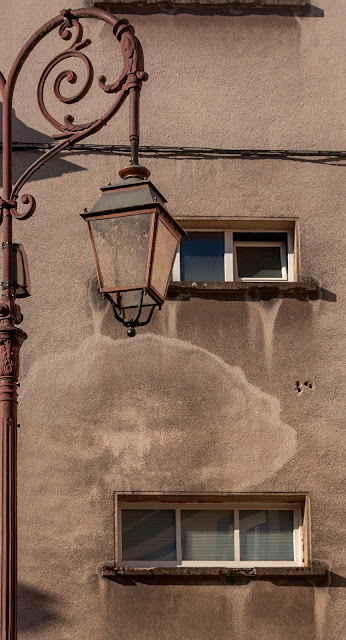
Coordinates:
(184, 152)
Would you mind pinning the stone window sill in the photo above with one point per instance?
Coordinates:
(239, 4)
(239, 7)
(193, 574)
(308, 289)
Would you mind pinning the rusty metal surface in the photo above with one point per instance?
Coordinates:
(11, 338)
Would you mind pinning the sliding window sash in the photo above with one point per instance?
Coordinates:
(230, 268)
(297, 535)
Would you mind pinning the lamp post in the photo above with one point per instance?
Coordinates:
(133, 236)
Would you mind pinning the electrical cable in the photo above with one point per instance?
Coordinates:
(183, 152)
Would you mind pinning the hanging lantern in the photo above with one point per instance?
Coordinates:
(134, 240)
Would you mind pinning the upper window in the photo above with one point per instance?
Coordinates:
(235, 255)
(215, 535)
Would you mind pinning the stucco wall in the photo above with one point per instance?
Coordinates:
(203, 399)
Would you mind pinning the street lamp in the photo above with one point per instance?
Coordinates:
(133, 236)
(134, 240)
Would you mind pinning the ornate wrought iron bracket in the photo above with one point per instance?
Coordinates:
(128, 83)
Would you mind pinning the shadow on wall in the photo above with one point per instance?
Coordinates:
(36, 609)
(22, 159)
(332, 158)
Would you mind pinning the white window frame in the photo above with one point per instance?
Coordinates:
(230, 266)
(281, 245)
(236, 507)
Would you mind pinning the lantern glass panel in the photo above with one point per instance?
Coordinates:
(122, 249)
(166, 245)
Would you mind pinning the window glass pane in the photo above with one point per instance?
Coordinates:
(207, 535)
(258, 262)
(148, 534)
(202, 256)
(266, 535)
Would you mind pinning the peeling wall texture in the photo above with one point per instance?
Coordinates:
(204, 399)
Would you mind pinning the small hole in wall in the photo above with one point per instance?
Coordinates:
(301, 385)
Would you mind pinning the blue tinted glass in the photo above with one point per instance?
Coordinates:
(202, 256)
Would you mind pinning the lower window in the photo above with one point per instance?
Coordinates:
(195, 534)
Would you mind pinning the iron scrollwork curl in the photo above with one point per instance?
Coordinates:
(73, 51)
(133, 70)
(130, 79)
(28, 200)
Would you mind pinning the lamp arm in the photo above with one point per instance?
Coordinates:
(129, 82)
(65, 144)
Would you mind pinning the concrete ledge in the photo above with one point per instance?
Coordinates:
(307, 290)
(223, 7)
(237, 4)
(316, 570)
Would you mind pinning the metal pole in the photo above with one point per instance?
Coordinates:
(11, 337)
(10, 343)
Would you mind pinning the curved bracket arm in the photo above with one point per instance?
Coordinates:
(129, 82)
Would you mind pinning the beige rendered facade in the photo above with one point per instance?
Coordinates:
(209, 399)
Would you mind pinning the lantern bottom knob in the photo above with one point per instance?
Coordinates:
(131, 332)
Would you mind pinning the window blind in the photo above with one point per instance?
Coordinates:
(266, 535)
